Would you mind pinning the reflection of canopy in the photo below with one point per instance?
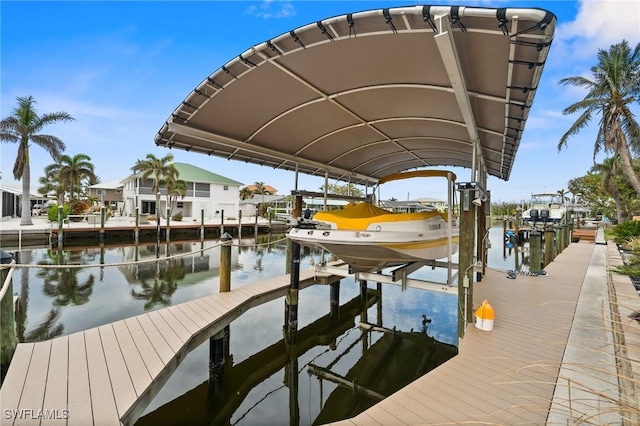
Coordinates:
(373, 93)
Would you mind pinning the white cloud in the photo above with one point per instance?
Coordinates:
(601, 23)
(272, 9)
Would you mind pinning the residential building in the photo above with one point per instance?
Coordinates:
(206, 191)
(108, 193)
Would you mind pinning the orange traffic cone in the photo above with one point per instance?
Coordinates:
(485, 317)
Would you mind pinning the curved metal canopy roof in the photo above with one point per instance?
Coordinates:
(368, 94)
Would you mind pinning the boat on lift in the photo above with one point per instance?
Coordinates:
(369, 238)
(545, 207)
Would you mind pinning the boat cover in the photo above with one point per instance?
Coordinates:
(359, 216)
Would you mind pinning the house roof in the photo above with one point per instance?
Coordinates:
(190, 173)
(270, 189)
(111, 184)
(368, 94)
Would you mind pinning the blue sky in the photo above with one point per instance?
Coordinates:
(120, 68)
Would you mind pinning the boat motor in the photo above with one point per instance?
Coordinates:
(544, 215)
(534, 216)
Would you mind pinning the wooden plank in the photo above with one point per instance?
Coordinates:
(137, 370)
(176, 325)
(56, 390)
(121, 382)
(184, 319)
(214, 309)
(159, 342)
(150, 357)
(223, 307)
(103, 402)
(35, 384)
(173, 339)
(79, 398)
(188, 311)
(15, 378)
(207, 316)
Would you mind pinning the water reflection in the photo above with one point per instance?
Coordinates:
(335, 366)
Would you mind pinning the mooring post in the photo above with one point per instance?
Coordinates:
(136, 229)
(225, 262)
(549, 245)
(7, 317)
(168, 230)
(535, 252)
(363, 290)
(218, 354)
(334, 302)
(256, 226)
(102, 222)
(465, 260)
(60, 226)
(294, 277)
(239, 224)
(221, 222)
(201, 224)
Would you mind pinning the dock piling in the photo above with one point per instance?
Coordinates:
(225, 263)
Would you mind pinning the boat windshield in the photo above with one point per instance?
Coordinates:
(546, 199)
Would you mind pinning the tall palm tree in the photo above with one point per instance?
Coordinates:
(73, 170)
(23, 128)
(175, 188)
(608, 170)
(158, 168)
(610, 93)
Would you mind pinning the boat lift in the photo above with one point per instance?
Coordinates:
(397, 276)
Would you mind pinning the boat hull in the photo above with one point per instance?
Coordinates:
(367, 251)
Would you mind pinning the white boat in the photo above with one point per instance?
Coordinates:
(554, 204)
(369, 238)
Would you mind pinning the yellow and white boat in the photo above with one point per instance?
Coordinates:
(369, 238)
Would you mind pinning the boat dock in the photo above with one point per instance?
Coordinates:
(123, 229)
(555, 355)
(108, 374)
(563, 349)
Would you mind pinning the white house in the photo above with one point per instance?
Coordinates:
(205, 191)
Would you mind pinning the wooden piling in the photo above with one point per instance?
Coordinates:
(535, 252)
(225, 263)
(465, 260)
(60, 226)
(549, 245)
(168, 229)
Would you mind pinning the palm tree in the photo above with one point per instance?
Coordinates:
(22, 128)
(245, 193)
(608, 171)
(175, 188)
(158, 168)
(51, 184)
(73, 170)
(611, 92)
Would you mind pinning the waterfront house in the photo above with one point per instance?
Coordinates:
(108, 193)
(10, 200)
(206, 191)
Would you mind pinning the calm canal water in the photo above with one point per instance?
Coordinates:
(262, 379)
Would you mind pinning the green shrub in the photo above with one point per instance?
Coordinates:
(52, 213)
(177, 217)
(626, 230)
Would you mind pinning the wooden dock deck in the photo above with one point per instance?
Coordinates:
(541, 350)
(106, 375)
(549, 359)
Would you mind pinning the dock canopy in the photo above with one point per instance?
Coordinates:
(368, 94)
